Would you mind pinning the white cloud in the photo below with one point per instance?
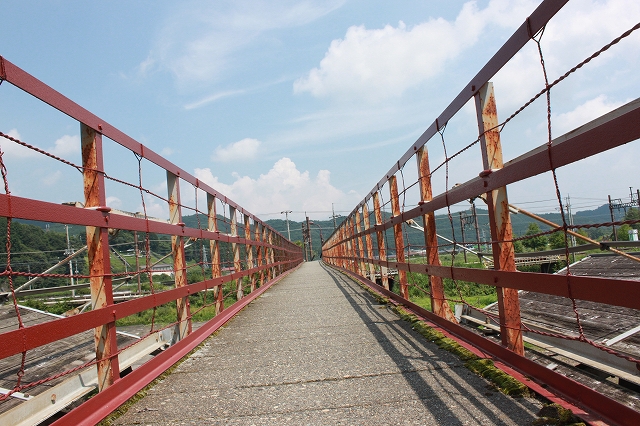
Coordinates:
(281, 188)
(378, 64)
(114, 202)
(155, 209)
(242, 150)
(582, 114)
(66, 145)
(12, 149)
(166, 151)
(213, 98)
(62, 147)
(199, 40)
(579, 30)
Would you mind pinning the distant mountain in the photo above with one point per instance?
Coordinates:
(448, 228)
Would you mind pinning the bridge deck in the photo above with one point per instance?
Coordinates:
(317, 349)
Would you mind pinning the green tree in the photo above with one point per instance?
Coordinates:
(556, 240)
(536, 243)
(622, 232)
(580, 241)
(518, 247)
(633, 214)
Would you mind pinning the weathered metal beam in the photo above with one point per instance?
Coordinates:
(183, 327)
(397, 234)
(259, 249)
(439, 305)
(214, 246)
(25, 208)
(499, 219)
(368, 240)
(249, 250)
(362, 269)
(382, 250)
(235, 249)
(99, 257)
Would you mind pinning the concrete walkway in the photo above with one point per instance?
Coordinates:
(317, 349)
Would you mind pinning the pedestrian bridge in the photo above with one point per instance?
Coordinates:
(380, 331)
(316, 348)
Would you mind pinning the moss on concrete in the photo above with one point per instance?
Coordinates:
(554, 414)
(481, 366)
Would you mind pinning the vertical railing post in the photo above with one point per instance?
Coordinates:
(214, 246)
(382, 251)
(439, 305)
(278, 253)
(99, 258)
(499, 219)
(247, 236)
(265, 251)
(363, 270)
(344, 248)
(369, 242)
(237, 266)
(351, 265)
(259, 250)
(397, 234)
(183, 328)
(272, 274)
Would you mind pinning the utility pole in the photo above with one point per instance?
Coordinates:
(613, 219)
(286, 215)
(67, 252)
(309, 233)
(475, 221)
(573, 239)
(304, 242)
(463, 224)
(205, 261)
(333, 215)
(136, 252)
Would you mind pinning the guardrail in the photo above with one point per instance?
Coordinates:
(246, 257)
(360, 245)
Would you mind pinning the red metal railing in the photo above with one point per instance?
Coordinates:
(363, 249)
(247, 256)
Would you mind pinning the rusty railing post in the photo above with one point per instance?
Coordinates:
(397, 234)
(439, 305)
(345, 245)
(99, 257)
(351, 261)
(499, 219)
(258, 238)
(363, 270)
(272, 261)
(247, 236)
(183, 328)
(267, 259)
(214, 246)
(382, 250)
(368, 240)
(235, 249)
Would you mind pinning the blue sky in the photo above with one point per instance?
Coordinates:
(298, 104)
